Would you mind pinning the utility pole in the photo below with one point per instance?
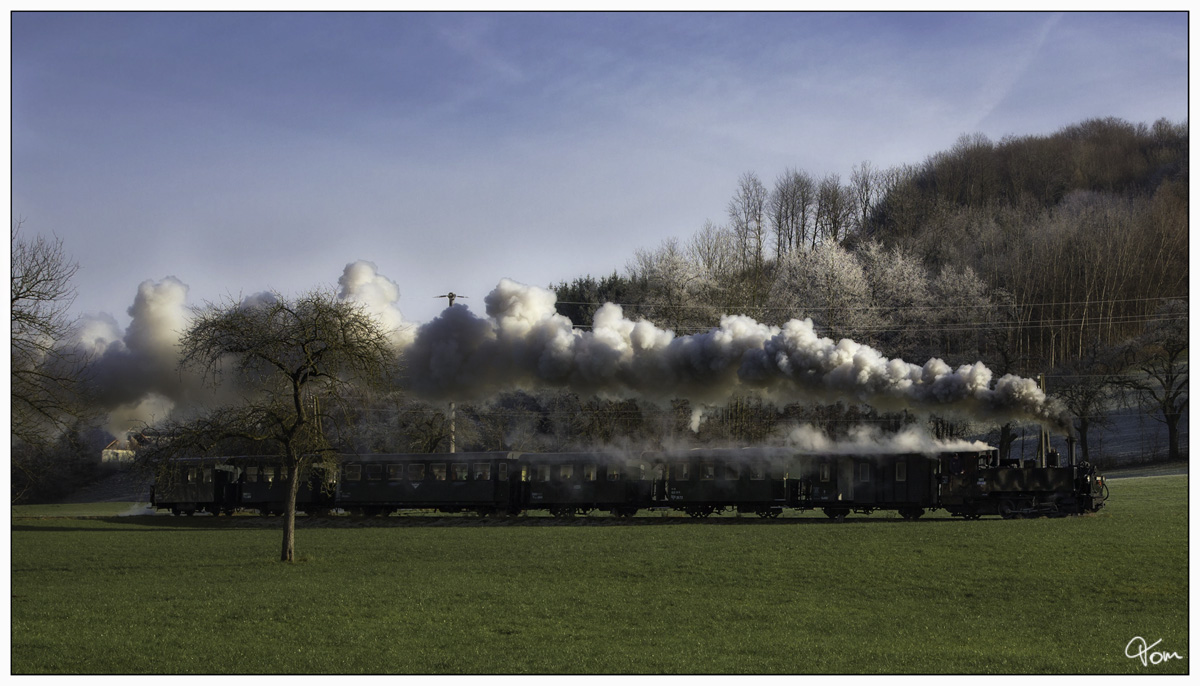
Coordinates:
(451, 295)
(1044, 436)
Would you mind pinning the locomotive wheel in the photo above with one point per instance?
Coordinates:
(1007, 509)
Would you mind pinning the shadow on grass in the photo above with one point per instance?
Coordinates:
(167, 523)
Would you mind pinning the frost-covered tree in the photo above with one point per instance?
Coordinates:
(827, 284)
(900, 299)
(963, 313)
(672, 285)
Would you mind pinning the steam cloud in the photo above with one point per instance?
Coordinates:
(523, 343)
(868, 440)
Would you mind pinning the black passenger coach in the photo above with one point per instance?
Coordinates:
(762, 481)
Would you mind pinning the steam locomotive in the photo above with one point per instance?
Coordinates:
(701, 482)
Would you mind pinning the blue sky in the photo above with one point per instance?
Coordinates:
(240, 152)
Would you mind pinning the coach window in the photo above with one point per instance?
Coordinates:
(458, 471)
(191, 475)
(589, 472)
(731, 472)
(502, 471)
(680, 471)
(481, 471)
(416, 472)
(438, 470)
(206, 473)
(864, 472)
(614, 472)
(374, 472)
(824, 471)
(395, 472)
(565, 471)
(901, 471)
(251, 474)
(268, 475)
(353, 472)
(757, 472)
(708, 471)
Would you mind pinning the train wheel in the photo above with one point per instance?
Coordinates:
(1007, 509)
(175, 511)
(836, 512)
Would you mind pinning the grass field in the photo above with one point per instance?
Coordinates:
(728, 595)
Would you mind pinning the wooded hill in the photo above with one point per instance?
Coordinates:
(1056, 254)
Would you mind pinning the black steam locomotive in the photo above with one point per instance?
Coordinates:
(965, 483)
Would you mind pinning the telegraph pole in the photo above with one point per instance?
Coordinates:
(451, 295)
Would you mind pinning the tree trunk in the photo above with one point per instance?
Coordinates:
(1172, 434)
(289, 518)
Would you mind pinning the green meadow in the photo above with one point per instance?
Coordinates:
(652, 595)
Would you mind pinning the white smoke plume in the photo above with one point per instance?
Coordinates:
(524, 344)
(869, 440)
(133, 376)
(361, 282)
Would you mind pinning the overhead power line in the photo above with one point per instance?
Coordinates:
(941, 306)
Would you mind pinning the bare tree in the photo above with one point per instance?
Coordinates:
(747, 211)
(864, 188)
(834, 209)
(1087, 385)
(44, 380)
(294, 360)
(1160, 354)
